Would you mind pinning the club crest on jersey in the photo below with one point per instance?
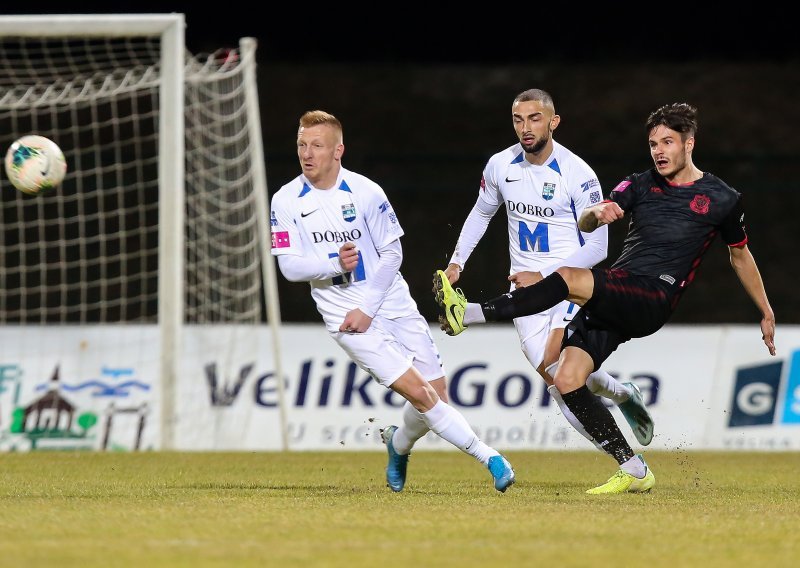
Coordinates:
(349, 212)
(548, 190)
(700, 204)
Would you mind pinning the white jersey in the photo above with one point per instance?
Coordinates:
(315, 223)
(543, 204)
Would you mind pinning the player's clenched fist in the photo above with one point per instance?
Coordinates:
(607, 213)
(604, 213)
(348, 256)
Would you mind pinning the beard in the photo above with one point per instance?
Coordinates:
(537, 146)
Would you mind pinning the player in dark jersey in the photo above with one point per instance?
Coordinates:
(676, 210)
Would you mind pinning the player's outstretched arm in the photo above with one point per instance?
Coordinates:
(746, 269)
(471, 233)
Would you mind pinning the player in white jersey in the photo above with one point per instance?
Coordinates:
(337, 230)
(545, 187)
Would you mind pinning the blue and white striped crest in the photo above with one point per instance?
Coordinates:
(349, 212)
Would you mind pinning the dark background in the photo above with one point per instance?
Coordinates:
(425, 100)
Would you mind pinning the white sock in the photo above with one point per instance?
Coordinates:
(412, 429)
(635, 466)
(603, 384)
(555, 395)
(451, 425)
(473, 314)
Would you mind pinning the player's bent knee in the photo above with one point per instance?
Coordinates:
(573, 370)
(416, 390)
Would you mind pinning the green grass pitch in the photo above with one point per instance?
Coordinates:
(332, 509)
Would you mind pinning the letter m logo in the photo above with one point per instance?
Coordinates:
(536, 240)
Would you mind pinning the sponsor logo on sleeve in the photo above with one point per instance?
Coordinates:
(587, 185)
(595, 197)
(622, 186)
(280, 239)
(386, 206)
(273, 221)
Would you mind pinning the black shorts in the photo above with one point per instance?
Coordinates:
(622, 306)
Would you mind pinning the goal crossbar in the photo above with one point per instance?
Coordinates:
(90, 25)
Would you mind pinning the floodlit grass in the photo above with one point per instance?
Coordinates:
(333, 509)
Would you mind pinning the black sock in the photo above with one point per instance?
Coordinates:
(527, 301)
(598, 423)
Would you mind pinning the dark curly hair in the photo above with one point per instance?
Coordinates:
(680, 117)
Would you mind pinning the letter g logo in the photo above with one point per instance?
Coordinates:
(754, 394)
(755, 399)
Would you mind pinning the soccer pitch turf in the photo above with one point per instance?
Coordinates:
(333, 509)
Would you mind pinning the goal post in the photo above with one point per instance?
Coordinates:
(162, 218)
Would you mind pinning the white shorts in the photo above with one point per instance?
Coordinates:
(534, 330)
(391, 346)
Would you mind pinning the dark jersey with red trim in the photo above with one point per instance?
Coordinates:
(672, 226)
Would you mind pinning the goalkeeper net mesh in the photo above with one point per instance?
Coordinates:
(88, 252)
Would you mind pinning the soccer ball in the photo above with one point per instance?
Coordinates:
(35, 164)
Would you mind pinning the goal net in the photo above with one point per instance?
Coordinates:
(130, 294)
